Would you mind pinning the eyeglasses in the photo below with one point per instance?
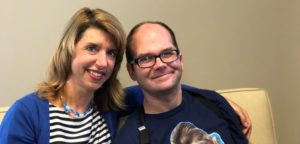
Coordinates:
(147, 61)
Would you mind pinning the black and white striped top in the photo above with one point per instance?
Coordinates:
(66, 129)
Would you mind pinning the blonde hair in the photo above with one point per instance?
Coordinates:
(110, 95)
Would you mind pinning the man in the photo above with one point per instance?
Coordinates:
(155, 62)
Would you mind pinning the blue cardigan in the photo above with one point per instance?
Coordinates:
(27, 122)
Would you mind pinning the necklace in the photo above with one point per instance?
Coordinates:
(69, 110)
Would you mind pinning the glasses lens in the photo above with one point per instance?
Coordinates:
(146, 61)
(165, 56)
(169, 56)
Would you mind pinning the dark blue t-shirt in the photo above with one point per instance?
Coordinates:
(190, 112)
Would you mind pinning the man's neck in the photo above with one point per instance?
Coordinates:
(160, 102)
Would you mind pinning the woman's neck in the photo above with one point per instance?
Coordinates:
(76, 98)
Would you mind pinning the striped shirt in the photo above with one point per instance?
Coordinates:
(66, 129)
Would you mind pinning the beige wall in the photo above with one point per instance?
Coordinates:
(225, 44)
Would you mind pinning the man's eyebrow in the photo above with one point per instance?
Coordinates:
(145, 54)
(151, 54)
(170, 48)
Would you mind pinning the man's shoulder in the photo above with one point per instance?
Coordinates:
(208, 98)
(211, 95)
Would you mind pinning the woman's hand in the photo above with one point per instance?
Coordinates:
(244, 118)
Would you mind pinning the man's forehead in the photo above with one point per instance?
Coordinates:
(150, 28)
(149, 31)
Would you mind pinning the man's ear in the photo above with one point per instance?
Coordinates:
(130, 71)
(181, 59)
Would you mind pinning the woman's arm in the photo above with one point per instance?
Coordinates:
(243, 116)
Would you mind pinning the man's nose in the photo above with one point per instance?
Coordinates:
(158, 63)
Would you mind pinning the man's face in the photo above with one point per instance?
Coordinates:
(152, 39)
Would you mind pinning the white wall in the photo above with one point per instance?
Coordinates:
(225, 44)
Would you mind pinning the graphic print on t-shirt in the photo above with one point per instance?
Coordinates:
(186, 132)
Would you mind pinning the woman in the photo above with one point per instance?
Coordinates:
(76, 103)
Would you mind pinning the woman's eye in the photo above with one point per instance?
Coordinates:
(112, 53)
(92, 49)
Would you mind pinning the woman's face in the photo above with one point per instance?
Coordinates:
(93, 60)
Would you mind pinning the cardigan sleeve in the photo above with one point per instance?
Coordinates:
(18, 125)
(27, 122)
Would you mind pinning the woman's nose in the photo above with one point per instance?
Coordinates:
(101, 60)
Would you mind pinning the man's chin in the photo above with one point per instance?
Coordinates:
(163, 87)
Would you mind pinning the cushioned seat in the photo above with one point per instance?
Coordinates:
(2, 112)
(258, 106)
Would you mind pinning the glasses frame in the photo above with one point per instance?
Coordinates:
(136, 61)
